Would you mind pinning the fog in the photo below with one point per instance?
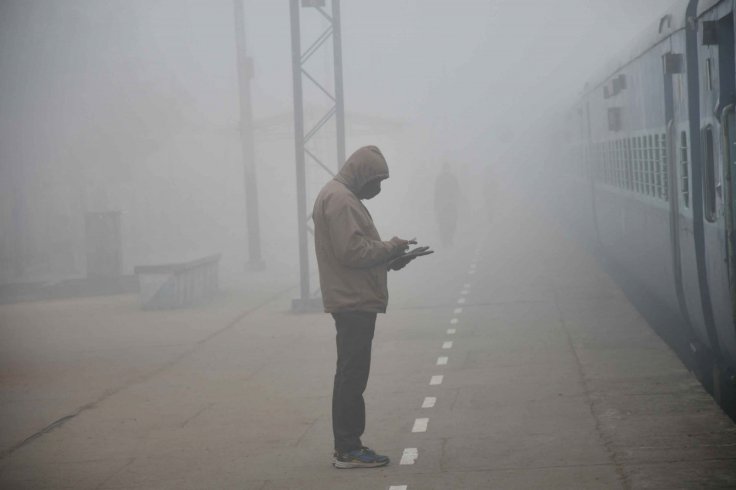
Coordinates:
(131, 108)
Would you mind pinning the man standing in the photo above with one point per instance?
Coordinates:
(353, 266)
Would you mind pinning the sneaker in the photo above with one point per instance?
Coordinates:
(359, 458)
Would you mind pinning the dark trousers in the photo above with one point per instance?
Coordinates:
(354, 338)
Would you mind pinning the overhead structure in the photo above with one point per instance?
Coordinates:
(245, 73)
(302, 134)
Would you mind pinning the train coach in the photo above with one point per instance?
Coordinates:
(651, 172)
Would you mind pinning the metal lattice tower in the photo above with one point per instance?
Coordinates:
(301, 137)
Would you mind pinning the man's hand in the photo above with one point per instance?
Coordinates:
(404, 244)
(400, 263)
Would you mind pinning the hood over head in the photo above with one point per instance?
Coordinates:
(364, 165)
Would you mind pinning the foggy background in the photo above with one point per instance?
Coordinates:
(131, 107)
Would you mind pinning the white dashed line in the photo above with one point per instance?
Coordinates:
(464, 292)
(453, 321)
(409, 456)
(451, 331)
(447, 345)
(420, 425)
(397, 487)
(441, 361)
(458, 311)
(472, 271)
(436, 379)
(461, 301)
(429, 402)
(467, 285)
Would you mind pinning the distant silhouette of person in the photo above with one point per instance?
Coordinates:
(446, 200)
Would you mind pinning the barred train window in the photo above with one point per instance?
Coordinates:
(657, 168)
(645, 164)
(650, 166)
(665, 168)
(635, 162)
(684, 177)
(629, 166)
(709, 194)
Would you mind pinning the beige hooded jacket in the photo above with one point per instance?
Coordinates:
(351, 257)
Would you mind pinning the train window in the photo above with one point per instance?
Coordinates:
(617, 163)
(709, 73)
(684, 175)
(665, 167)
(634, 173)
(654, 163)
(644, 165)
(657, 177)
(649, 165)
(709, 179)
(638, 180)
(629, 165)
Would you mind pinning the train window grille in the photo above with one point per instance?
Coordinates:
(622, 163)
(709, 194)
(634, 169)
(611, 160)
(684, 175)
(602, 159)
(642, 165)
(638, 164)
(651, 185)
(635, 162)
(665, 167)
(629, 165)
(653, 166)
(602, 149)
(657, 168)
(616, 163)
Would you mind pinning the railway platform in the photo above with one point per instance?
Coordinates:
(510, 361)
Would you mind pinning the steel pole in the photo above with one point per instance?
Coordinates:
(301, 185)
(245, 72)
(339, 103)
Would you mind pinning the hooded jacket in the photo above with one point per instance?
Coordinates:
(351, 257)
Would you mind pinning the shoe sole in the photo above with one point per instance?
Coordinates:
(346, 465)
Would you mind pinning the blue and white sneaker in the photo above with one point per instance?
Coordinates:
(359, 458)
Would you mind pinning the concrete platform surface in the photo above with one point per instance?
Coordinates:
(528, 363)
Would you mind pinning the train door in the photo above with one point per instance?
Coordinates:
(729, 178)
(673, 70)
(717, 96)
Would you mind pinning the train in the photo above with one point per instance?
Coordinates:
(649, 178)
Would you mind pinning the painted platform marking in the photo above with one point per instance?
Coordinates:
(461, 301)
(429, 402)
(409, 455)
(420, 425)
(397, 487)
(436, 379)
(453, 321)
(464, 292)
(472, 271)
(466, 285)
(447, 345)
(451, 331)
(458, 311)
(441, 361)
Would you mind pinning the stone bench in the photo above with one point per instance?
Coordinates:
(169, 286)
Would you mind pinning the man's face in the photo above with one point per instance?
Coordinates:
(371, 189)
